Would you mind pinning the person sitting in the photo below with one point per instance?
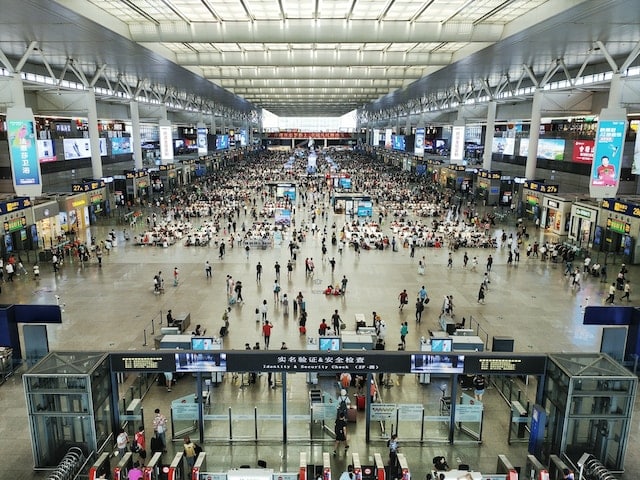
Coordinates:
(198, 331)
(337, 290)
(440, 464)
(328, 290)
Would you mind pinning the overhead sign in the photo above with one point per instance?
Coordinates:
(23, 152)
(457, 144)
(87, 186)
(166, 141)
(625, 208)
(540, 187)
(506, 364)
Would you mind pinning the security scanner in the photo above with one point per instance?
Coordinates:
(535, 470)
(357, 341)
(381, 473)
(326, 466)
(302, 472)
(556, 465)
(121, 471)
(505, 466)
(200, 465)
(176, 468)
(405, 474)
(151, 471)
(102, 466)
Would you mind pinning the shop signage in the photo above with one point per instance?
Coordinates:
(457, 168)
(14, 205)
(630, 209)
(163, 168)
(532, 200)
(79, 203)
(15, 224)
(618, 226)
(96, 198)
(130, 174)
(87, 186)
(583, 212)
(553, 204)
(541, 187)
(490, 175)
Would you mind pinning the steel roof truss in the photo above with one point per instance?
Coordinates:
(631, 58)
(5, 61)
(531, 75)
(26, 56)
(612, 63)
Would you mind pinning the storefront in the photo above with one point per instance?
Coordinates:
(584, 218)
(19, 231)
(45, 216)
(532, 193)
(74, 212)
(137, 185)
(96, 195)
(618, 229)
(488, 187)
(556, 213)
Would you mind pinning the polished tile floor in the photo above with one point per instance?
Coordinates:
(113, 307)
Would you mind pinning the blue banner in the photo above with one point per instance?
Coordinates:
(24, 152)
(608, 153)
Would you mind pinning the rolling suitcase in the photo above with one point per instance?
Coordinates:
(303, 330)
(352, 415)
(360, 402)
(223, 331)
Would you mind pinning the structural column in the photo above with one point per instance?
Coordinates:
(615, 91)
(488, 136)
(94, 136)
(17, 90)
(135, 134)
(534, 136)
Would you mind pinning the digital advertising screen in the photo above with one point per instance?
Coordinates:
(387, 138)
(375, 140)
(345, 183)
(329, 343)
(583, 151)
(365, 209)
(398, 142)
(551, 148)
(282, 216)
(505, 146)
(102, 146)
(441, 344)
(201, 362)
(434, 363)
(121, 145)
(46, 151)
(608, 153)
(75, 148)
(244, 138)
(23, 151)
(418, 145)
(222, 142)
(203, 145)
(201, 343)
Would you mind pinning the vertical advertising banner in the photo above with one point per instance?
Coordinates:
(376, 137)
(203, 145)
(635, 167)
(457, 144)
(387, 138)
(607, 158)
(23, 152)
(166, 142)
(418, 146)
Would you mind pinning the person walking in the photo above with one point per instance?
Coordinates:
(190, 453)
(627, 292)
(208, 270)
(336, 321)
(481, 294)
(343, 284)
(258, 272)
(238, 290)
(449, 261)
(612, 294)
(489, 262)
(479, 384)
(419, 310)
(276, 267)
(340, 431)
(276, 292)
(392, 443)
(404, 299)
(404, 331)
(289, 269)
(160, 428)
(176, 276)
(264, 309)
(266, 333)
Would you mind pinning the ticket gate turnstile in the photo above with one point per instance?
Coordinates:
(200, 465)
(381, 473)
(357, 467)
(152, 470)
(404, 467)
(326, 466)
(121, 471)
(535, 469)
(302, 472)
(505, 466)
(102, 466)
(176, 468)
(556, 465)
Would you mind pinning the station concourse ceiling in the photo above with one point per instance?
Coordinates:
(315, 57)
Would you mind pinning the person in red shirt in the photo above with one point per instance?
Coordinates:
(266, 333)
(606, 173)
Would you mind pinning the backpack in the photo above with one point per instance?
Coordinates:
(198, 449)
(342, 406)
(135, 447)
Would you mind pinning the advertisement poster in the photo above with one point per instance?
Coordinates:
(121, 145)
(608, 153)
(75, 148)
(387, 138)
(375, 141)
(24, 152)
(46, 152)
(166, 143)
(243, 138)
(457, 144)
(505, 146)
(418, 147)
(635, 167)
(203, 146)
(583, 151)
(551, 148)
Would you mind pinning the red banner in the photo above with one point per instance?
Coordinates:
(583, 151)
